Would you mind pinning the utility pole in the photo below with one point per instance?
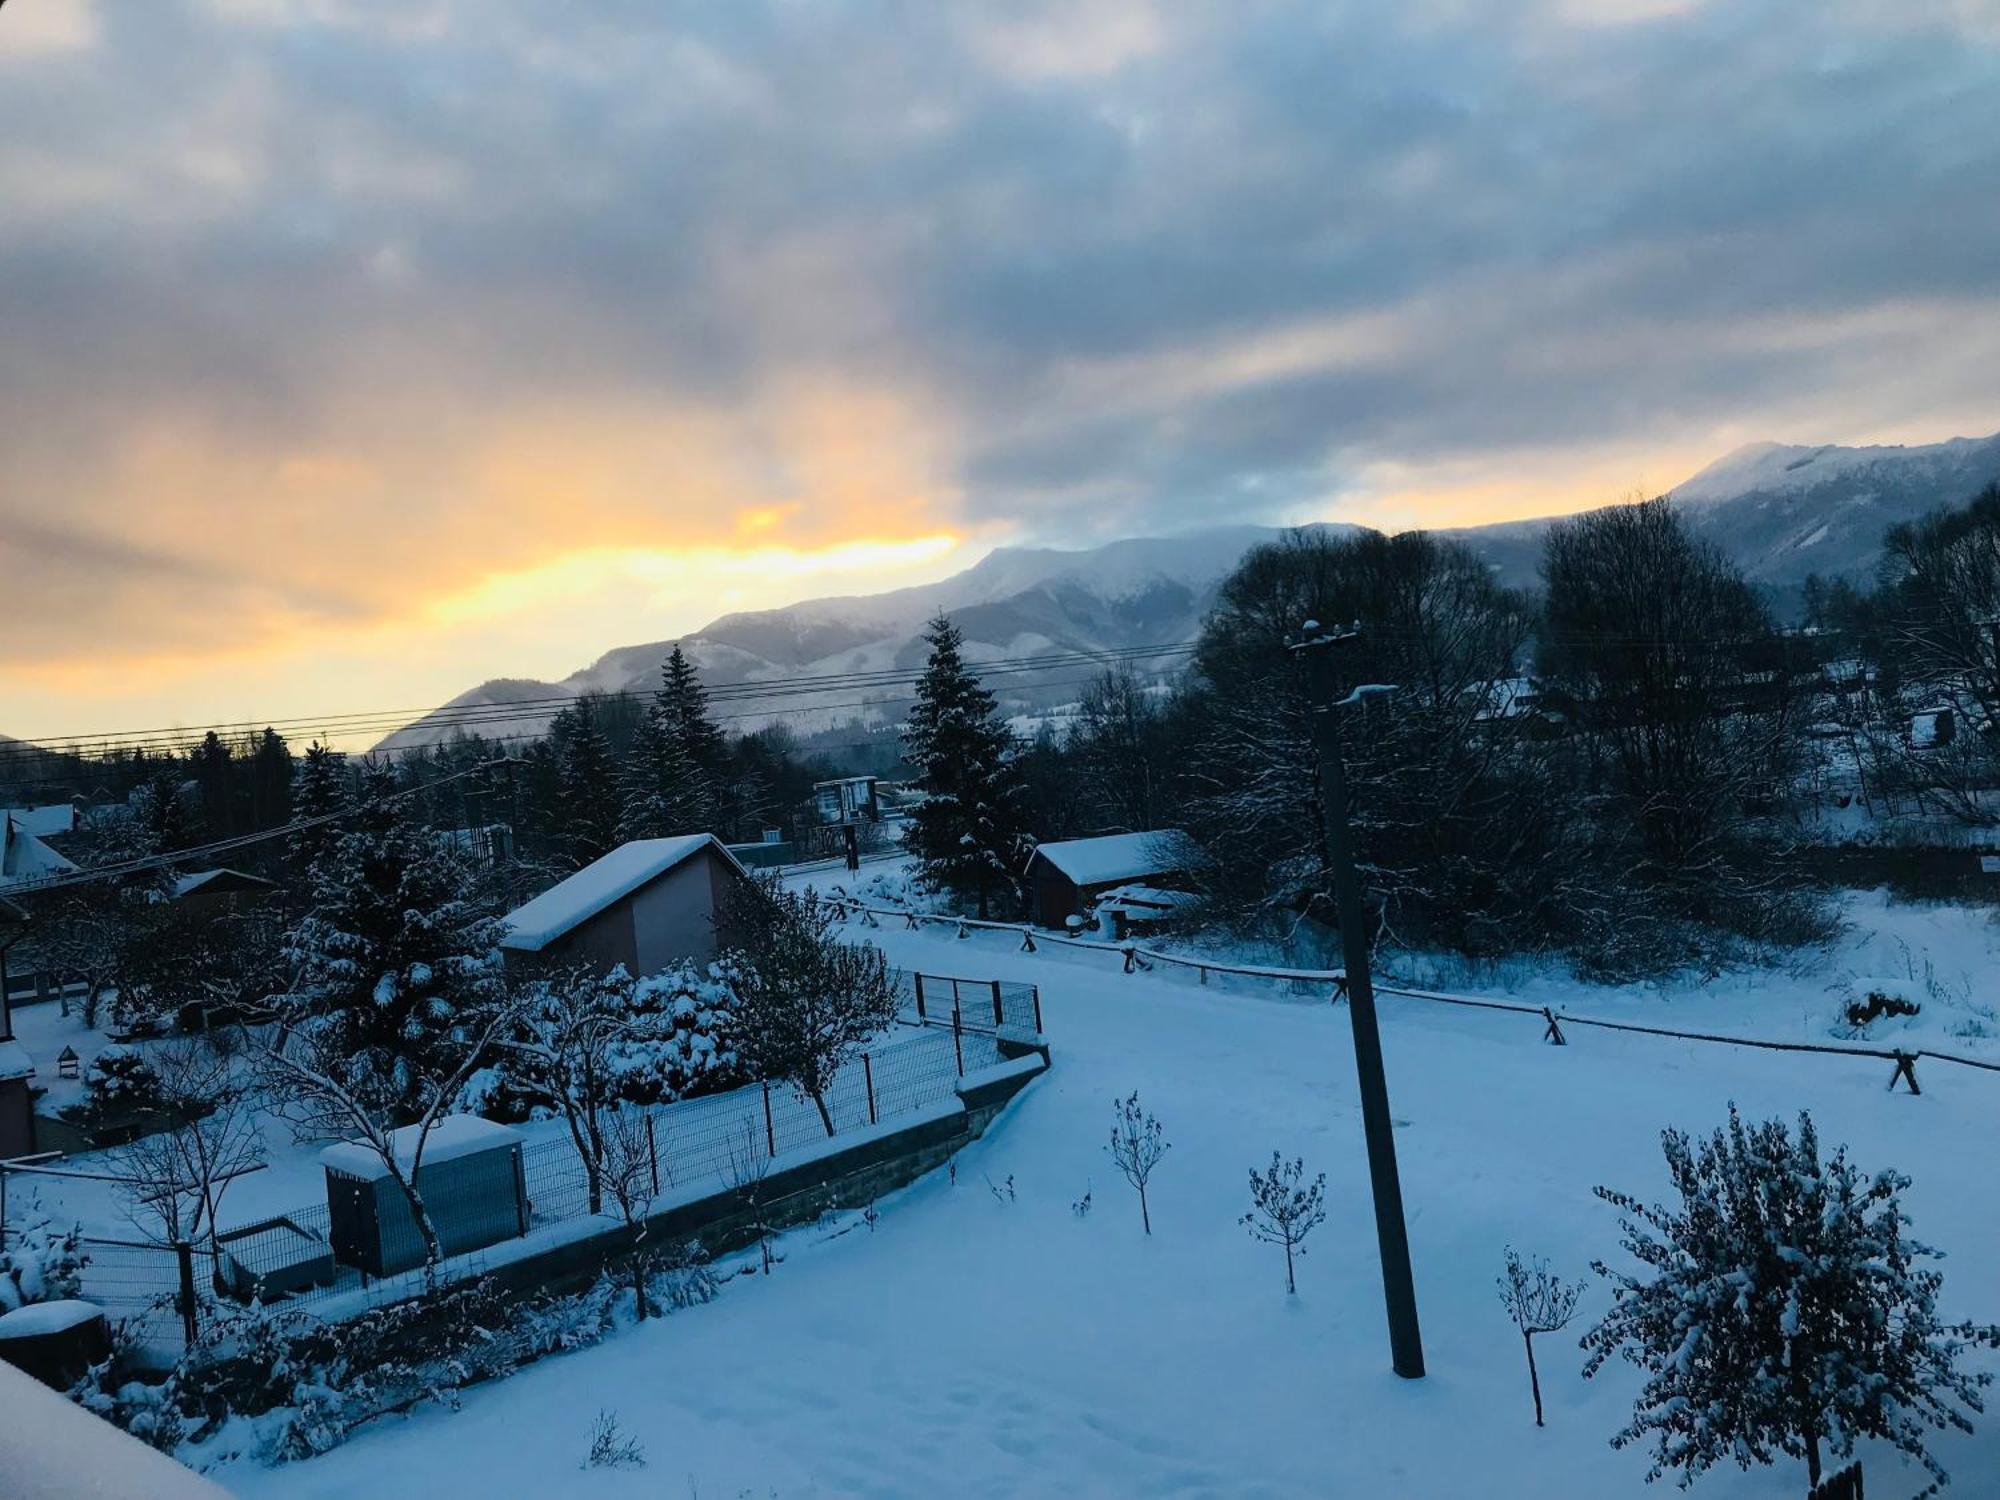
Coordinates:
(1399, 1291)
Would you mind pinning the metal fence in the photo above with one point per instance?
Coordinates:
(710, 1143)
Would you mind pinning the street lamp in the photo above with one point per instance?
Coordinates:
(1399, 1291)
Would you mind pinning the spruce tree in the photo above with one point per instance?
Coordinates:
(1784, 1310)
(587, 797)
(969, 830)
(395, 960)
(658, 786)
(682, 707)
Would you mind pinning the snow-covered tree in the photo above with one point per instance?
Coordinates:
(587, 784)
(393, 958)
(807, 1001)
(1137, 1144)
(1780, 1309)
(681, 705)
(1539, 1301)
(660, 789)
(1285, 1208)
(969, 830)
(319, 789)
(173, 1181)
(38, 1261)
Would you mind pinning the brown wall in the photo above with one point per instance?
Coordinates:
(670, 918)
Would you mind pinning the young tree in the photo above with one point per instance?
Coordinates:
(1783, 1310)
(968, 830)
(1285, 1208)
(174, 1180)
(1136, 1148)
(628, 1168)
(807, 1002)
(1539, 1302)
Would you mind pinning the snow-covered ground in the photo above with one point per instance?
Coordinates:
(974, 1346)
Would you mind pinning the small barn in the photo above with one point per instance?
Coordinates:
(471, 1181)
(647, 905)
(1066, 879)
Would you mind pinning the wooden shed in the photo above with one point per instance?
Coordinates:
(1066, 878)
(471, 1181)
(647, 905)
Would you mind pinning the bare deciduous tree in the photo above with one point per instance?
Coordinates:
(175, 1179)
(1136, 1148)
(1285, 1208)
(1539, 1302)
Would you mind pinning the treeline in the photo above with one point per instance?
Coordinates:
(1620, 768)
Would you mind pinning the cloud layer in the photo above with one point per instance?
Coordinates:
(318, 317)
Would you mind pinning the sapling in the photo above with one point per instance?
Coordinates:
(1136, 1148)
(611, 1447)
(1539, 1302)
(1285, 1208)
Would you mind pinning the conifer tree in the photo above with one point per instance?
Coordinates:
(659, 787)
(969, 830)
(587, 797)
(681, 706)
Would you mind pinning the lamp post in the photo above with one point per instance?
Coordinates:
(1399, 1290)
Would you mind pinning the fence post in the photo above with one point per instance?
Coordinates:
(653, 1153)
(1027, 941)
(190, 1319)
(1554, 1035)
(957, 1042)
(920, 995)
(1906, 1071)
(770, 1129)
(999, 1014)
(1035, 991)
(868, 1080)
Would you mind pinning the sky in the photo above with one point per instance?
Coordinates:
(355, 351)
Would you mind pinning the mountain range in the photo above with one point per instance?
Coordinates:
(1782, 513)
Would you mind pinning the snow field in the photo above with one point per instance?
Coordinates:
(971, 1346)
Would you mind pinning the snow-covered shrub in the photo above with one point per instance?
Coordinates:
(686, 1279)
(1782, 1310)
(119, 1081)
(39, 1262)
(1285, 1208)
(1876, 1004)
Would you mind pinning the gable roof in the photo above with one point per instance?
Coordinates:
(1121, 856)
(23, 857)
(220, 881)
(570, 903)
(49, 819)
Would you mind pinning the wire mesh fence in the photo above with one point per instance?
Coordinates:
(692, 1146)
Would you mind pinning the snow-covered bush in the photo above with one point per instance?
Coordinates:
(119, 1081)
(39, 1262)
(1781, 1310)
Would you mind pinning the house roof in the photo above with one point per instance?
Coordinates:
(15, 1062)
(46, 821)
(24, 857)
(572, 902)
(220, 881)
(1121, 856)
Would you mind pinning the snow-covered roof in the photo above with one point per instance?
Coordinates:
(46, 821)
(25, 857)
(453, 1136)
(1121, 856)
(236, 879)
(569, 903)
(1143, 898)
(14, 1061)
(54, 1316)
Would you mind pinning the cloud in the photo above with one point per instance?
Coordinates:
(361, 306)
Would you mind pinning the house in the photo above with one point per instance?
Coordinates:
(647, 905)
(1065, 879)
(25, 857)
(219, 892)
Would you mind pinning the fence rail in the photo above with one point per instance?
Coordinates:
(720, 1139)
(1553, 1019)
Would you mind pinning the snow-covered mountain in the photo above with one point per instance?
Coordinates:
(1782, 512)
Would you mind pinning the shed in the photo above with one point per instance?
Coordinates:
(1065, 878)
(215, 892)
(646, 905)
(472, 1186)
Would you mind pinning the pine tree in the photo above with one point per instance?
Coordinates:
(658, 786)
(969, 829)
(587, 797)
(395, 960)
(319, 790)
(270, 781)
(1785, 1313)
(682, 707)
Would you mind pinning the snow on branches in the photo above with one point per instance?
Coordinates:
(1781, 1309)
